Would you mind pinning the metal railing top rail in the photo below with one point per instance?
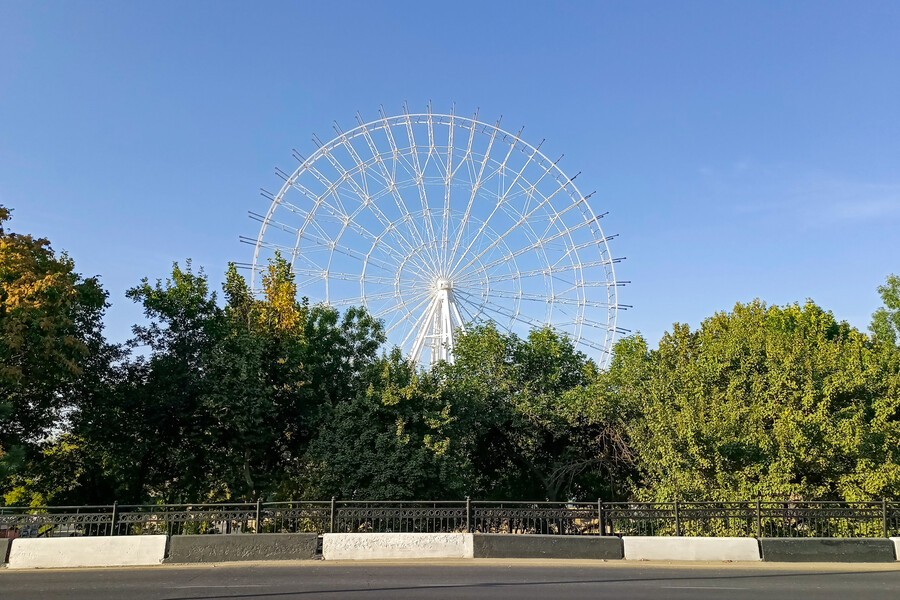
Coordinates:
(76, 507)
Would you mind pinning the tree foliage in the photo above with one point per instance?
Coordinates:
(886, 320)
(776, 402)
(243, 395)
(50, 328)
(526, 423)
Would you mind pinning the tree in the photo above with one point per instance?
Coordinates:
(391, 442)
(50, 324)
(153, 422)
(776, 402)
(522, 418)
(229, 398)
(278, 375)
(886, 320)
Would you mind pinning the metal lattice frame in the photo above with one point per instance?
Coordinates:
(434, 222)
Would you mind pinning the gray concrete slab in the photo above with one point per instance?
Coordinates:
(827, 550)
(241, 546)
(496, 545)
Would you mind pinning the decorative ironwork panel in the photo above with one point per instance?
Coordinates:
(295, 517)
(55, 521)
(824, 519)
(554, 518)
(421, 517)
(186, 519)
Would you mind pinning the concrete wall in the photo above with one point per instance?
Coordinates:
(827, 550)
(363, 546)
(498, 545)
(4, 550)
(87, 551)
(896, 541)
(241, 546)
(690, 548)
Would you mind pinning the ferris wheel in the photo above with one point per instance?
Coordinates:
(435, 222)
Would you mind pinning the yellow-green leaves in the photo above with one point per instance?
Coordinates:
(771, 401)
(48, 317)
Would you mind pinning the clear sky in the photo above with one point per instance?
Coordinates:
(743, 149)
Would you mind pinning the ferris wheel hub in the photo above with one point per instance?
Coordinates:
(443, 284)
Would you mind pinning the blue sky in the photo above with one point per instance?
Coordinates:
(743, 150)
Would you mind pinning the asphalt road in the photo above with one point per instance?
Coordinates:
(496, 579)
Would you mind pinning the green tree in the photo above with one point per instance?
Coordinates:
(227, 399)
(886, 320)
(278, 374)
(775, 402)
(50, 324)
(390, 442)
(525, 421)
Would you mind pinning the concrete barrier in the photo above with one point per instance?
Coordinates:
(241, 546)
(498, 545)
(87, 551)
(896, 541)
(4, 550)
(363, 546)
(827, 550)
(690, 548)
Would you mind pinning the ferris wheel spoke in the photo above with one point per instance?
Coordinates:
(345, 220)
(389, 177)
(535, 245)
(468, 153)
(501, 197)
(420, 183)
(365, 298)
(463, 307)
(475, 187)
(351, 219)
(504, 311)
(405, 317)
(448, 178)
(555, 269)
(402, 305)
(512, 229)
(555, 300)
(344, 276)
(328, 245)
(329, 186)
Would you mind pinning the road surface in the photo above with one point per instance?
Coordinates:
(495, 579)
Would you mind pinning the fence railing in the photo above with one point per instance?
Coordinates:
(755, 518)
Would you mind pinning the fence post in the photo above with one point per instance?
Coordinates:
(331, 519)
(600, 520)
(115, 517)
(258, 522)
(884, 517)
(468, 515)
(758, 518)
(677, 519)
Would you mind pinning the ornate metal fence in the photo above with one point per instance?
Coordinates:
(412, 517)
(554, 518)
(759, 518)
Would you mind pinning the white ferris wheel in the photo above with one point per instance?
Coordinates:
(435, 222)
